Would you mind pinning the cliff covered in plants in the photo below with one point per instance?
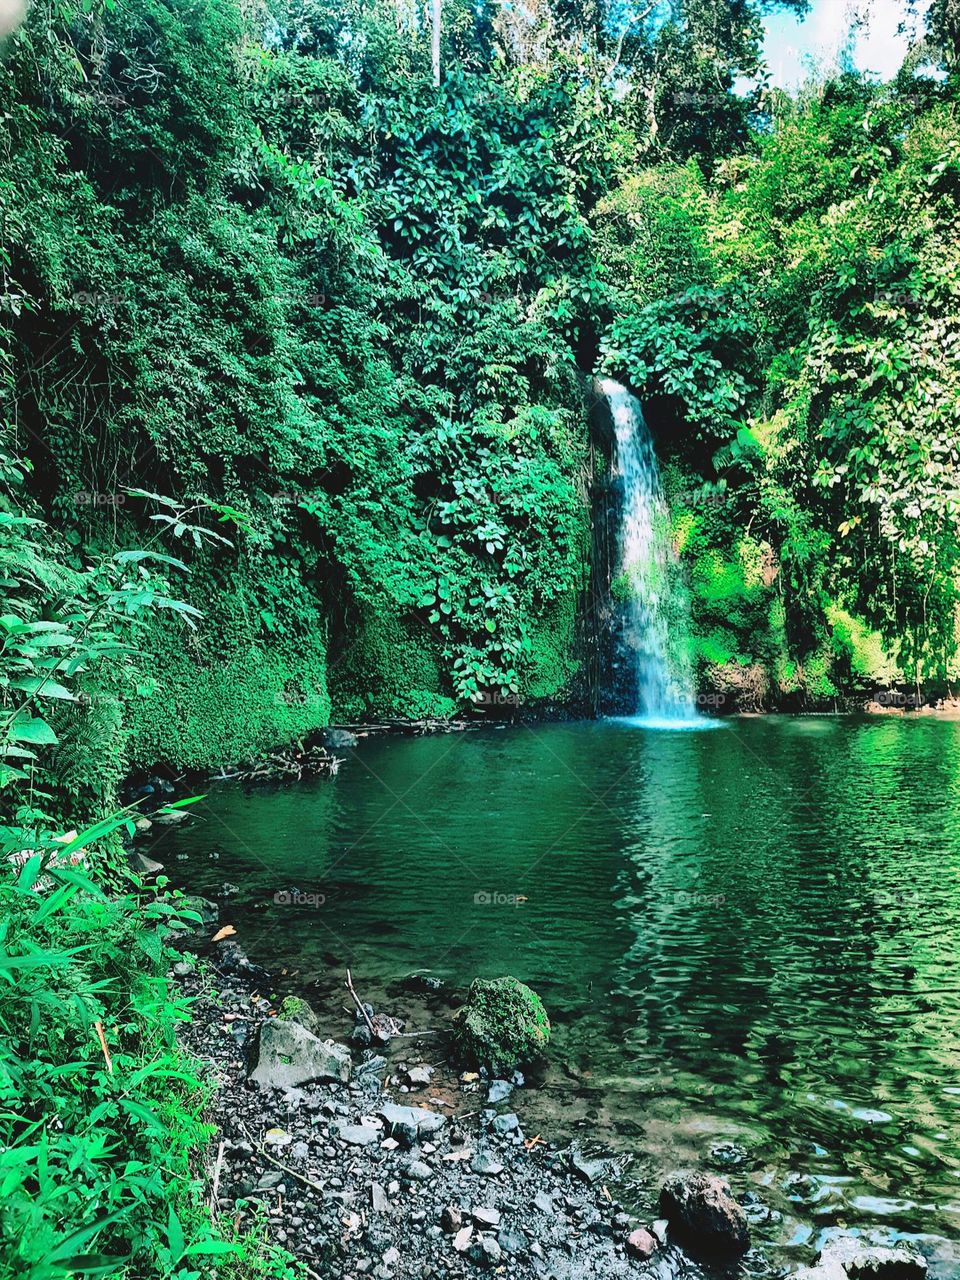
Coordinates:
(258, 263)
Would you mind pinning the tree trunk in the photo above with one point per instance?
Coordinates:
(435, 43)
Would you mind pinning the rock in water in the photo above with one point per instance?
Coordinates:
(502, 1024)
(704, 1215)
(290, 1055)
(849, 1258)
(339, 739)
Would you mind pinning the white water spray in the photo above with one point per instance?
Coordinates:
(664, 688)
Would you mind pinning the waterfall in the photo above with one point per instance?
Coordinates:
(660, 681)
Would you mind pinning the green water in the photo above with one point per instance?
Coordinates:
(749, 935)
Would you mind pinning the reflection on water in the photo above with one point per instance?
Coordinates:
(748, 937)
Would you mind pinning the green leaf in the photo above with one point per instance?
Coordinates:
(35, 730)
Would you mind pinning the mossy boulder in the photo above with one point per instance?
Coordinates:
(295, 1009)
(502, 1025)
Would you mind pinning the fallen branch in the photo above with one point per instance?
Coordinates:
(98, 1027)
(307, 1182)
(360, 1005)
(216, 1182)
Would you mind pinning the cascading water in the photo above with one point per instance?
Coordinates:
(660, 683)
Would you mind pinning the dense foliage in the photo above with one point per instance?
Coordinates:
(255, 259)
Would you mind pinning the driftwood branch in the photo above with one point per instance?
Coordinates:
(360, 1005)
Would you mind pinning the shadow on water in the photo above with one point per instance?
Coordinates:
(748, 940)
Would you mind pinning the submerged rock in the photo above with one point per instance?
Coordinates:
(290, 1055)
(704, 1215)
(849, 1258)
(502, 1024)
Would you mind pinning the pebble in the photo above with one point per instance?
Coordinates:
(486, 1216)
(417, 1171)
(462, 1239)
(359, 1135)
(483, 1162)
(451, 1219)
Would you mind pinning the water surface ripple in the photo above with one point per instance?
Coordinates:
(747, 937)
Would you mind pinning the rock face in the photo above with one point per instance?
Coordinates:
(849, 1258)
(289, 1055)
(704, 1216)
(502, 1025)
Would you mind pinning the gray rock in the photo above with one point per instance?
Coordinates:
(359, 1135)
(372, 1066)
(499, 1091)
(410, 1124)
(419, 1075)
(484, 1251)
(339, 739)
(590, 1171)
(141, 865)
(289, 1055)
(511, 1241)
(544, 1203)
(483, 1162)
(183, 968)
(378, 1198)
(416, 1170)
(486, 1216)
(461, 1241)
(703, 1214)
(171, 818)
(506, 1123)
(451, 1219)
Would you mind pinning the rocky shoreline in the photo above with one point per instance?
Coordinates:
(386, 1160)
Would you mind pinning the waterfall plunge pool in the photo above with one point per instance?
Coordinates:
(748, 941)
